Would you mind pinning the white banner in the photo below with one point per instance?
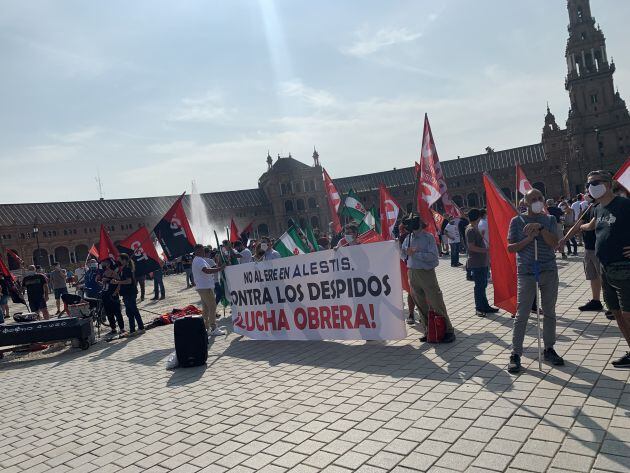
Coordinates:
(353, 293)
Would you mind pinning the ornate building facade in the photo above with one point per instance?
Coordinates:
(597, 136)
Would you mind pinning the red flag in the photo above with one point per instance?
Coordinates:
(233, 231)
(623, 175)
(431, 184)
(14, 259)
(389, 210)
(5, 271)
(140, 247)
(427, 218)
(522, 184)
(371, 236)
(502, 262)
(106, 249)
(451, 207)
(438, 219)
(334, 201)
(173, 231)
(93, 251)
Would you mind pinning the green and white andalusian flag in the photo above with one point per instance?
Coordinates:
(352, 207)
(368, 223)
(290, 243)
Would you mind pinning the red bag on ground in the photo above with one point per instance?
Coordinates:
(436, 327)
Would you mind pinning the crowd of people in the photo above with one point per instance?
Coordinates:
(598, 220)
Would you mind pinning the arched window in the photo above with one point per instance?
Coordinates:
(62, 255)
(315, 222)
(458, 200)
(288, 206)
(300, 204)
(473, 200)
(540, 186)
(312, 203)
(40, 257)
(263, 229)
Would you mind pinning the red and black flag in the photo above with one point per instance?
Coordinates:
(174, 233)
(5, 271)
(139, 246)
(246, 232)
(106, 248)
(234, 236)
(14, 260)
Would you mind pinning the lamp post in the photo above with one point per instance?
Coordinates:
(36, 233)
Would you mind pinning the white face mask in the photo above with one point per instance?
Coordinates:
(264, 246)
(537, 207)
(93, 266)
(349, 238)
(597, 191)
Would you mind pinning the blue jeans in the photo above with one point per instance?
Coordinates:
(158, 284)
(480, 276)
(454, 254)
(133, 314)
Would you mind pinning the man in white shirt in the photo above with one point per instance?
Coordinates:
(203, 273)
(577, 208)
(270, 253)
(452, 231)
(242, 253)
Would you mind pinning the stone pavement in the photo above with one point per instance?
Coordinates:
(327, 406)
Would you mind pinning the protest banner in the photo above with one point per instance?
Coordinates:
(353, 293)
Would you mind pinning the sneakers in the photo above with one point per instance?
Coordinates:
(514, 365)
(423, 338)
(564, 256)
(491, 310)
(623, 362)
(555, 359)
(591, 305)
(448, 338)
(480, 313)
(216, 332)
(609, 315)
(411, 320)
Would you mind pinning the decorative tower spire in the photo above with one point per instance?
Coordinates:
(315, 157)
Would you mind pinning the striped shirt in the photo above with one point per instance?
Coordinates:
(525, 257)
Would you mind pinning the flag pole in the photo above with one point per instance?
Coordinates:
(537, 275)
(516, 187)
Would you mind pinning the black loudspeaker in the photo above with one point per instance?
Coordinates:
(191, 341)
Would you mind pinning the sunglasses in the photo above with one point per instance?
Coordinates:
(595, 183)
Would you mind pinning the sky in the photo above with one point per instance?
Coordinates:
(150, 95)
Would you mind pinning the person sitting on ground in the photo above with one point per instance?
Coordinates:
(611, 222)
(524, 230)
(478, 264)
(421, 253)
(36, 286)
(204, 271)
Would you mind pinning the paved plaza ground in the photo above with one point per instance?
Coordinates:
(327, 406)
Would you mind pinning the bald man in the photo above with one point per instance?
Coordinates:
(534, 225)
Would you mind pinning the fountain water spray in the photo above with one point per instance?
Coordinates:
(199, 220)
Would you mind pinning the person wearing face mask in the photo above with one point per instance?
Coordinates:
(350, 237)
(420, 251)
(524, 229)
(91, 284)
(268, 252)
(611, 222)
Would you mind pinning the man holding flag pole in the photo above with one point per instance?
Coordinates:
(533, 238)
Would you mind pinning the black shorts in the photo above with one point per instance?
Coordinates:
(37, 305)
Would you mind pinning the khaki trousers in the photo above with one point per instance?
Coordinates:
(208, 307)
(427, 294)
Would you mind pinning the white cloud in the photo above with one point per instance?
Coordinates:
(205, 108)
(77, 137)
(368, 43)
(316, 97)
